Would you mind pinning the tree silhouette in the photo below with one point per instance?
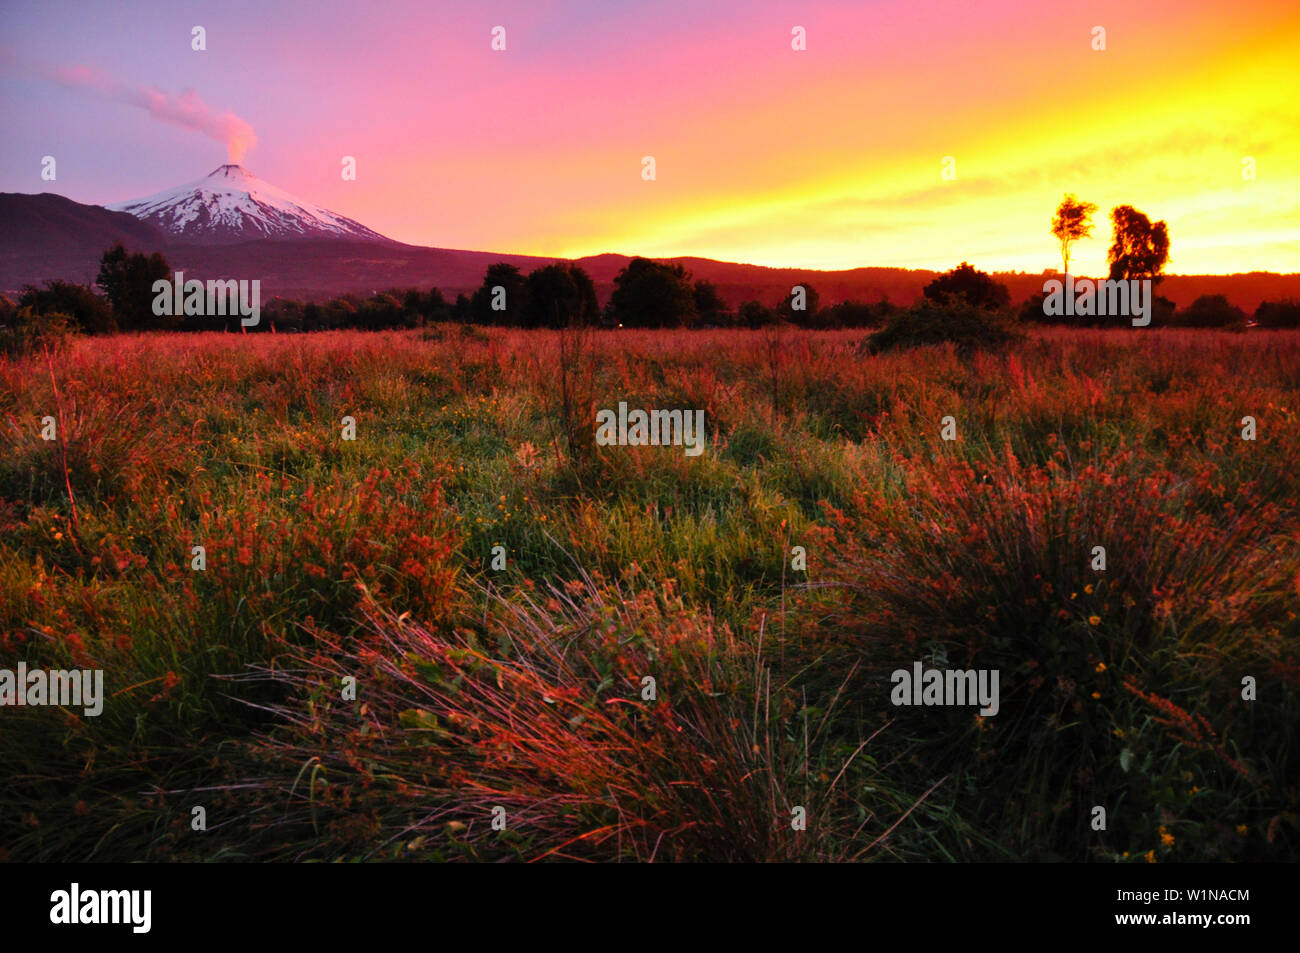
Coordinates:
(709, 306)
(753, 314)
(127, 280)
(649, 294)
(1212, 311)
(1073, 221)
(559, 296)
(1140, 249)
(516, 296)
(971, 285)
(804, 316)
(1269, 314)
(88, 310)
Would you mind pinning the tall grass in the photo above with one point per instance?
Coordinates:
(520, 688)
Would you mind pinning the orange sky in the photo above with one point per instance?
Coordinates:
(828, 158)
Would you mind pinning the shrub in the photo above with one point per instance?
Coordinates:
(753, 314)
(989, 568)
(32, 332)
(854, 314)
(87, 310)
(1031, 312)
(1278, 314)
(1213, 311)
(954, 321)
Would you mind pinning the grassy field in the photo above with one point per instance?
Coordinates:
(519, 694)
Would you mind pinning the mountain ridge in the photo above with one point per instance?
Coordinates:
(46, 236)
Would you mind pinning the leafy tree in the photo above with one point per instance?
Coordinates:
(1278, 314)
(462, 310)
(383, 311)
(312, 317)
(283, 314)
(709, 306)
(753, 314)
(127, 280)
(1140, 249)
(969, 284)
(88, 311)
(560, 296)
(1073, 221)
(414, 304)
(434, 307)
(1031, 311)
(806, 316)
(649, 294)
(342, 312)
(1162, 311)
(516, 296)
(1212, 311)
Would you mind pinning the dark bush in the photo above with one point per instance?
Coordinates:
(89, 312)
(1212, 311)
(1278, 314)
(30, 332)
(954, 320)
(975, 287)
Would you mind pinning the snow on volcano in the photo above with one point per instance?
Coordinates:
(233, 205)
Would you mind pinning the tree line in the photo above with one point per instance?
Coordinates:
(1139, 250)
(646, 294)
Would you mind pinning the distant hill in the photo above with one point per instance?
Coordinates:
(48, 236)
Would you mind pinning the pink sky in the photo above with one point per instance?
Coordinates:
(830, 157)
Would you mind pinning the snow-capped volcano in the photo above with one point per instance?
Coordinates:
(233, 205)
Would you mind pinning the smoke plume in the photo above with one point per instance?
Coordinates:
(186, 110)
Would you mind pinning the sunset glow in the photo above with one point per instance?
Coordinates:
(824, 158)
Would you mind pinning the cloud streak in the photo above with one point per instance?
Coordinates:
(186, 110)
